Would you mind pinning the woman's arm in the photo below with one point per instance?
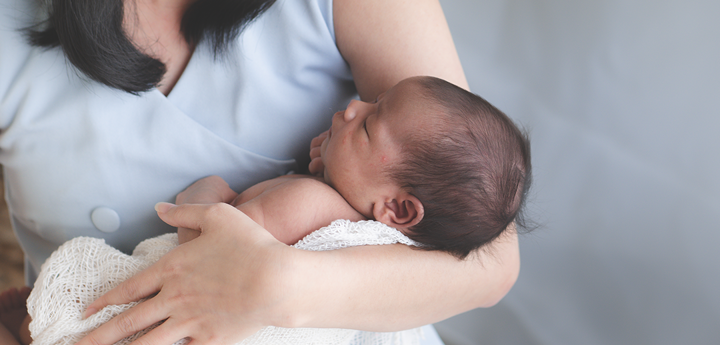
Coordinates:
(386, 41)
(390, 288)
(371, 288)
(395, 287)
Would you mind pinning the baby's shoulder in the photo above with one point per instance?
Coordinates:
(313, 192)
(310, 188)
(294, 206)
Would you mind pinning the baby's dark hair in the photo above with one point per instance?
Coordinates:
(471, 173)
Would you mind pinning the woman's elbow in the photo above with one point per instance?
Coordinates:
(506, 282)
(506, 271)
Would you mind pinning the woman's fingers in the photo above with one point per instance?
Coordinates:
(219, 288)
(196, 216)
(141, 285)
(221, 219)
(165, 334)
(128, 323)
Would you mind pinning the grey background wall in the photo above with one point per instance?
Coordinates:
(622, 99)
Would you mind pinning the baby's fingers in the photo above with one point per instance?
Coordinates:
(316, 167)
(315, 152)
(317, 141)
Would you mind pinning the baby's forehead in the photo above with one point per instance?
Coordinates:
(432, 126)
(411, 95)
(412, 109)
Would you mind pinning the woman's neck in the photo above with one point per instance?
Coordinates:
(154, 27)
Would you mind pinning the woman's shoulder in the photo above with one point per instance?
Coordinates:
(17, 11)
(15, 17)
(311, 14)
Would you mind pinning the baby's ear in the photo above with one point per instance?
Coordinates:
(400, 213)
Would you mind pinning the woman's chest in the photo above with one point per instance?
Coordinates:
(70, 146)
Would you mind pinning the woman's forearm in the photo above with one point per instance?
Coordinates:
(248, 279)
(390, 288)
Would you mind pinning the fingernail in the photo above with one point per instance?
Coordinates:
(163, 207)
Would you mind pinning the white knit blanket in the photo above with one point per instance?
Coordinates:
(83, 269)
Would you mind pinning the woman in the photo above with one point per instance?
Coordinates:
(90, 153)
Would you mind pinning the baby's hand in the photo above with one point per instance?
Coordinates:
(316, 166)
(209, 190)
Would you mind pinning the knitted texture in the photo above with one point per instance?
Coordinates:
(344, 233)
(84, 268)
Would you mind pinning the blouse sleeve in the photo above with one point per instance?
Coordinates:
(15, 15)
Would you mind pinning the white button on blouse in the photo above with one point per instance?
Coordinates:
(105, 219)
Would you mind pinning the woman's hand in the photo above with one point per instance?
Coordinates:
(236, 278)
(316, 166)
(214, 289)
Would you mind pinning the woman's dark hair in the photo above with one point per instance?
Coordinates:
(91, 34)
(471, 173)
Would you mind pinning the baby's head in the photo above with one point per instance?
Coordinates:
(433, 160)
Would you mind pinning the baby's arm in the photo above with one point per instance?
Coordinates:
(289, 206)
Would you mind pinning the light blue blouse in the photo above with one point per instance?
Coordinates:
(82, 159)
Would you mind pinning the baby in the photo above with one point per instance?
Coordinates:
(428, 158)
